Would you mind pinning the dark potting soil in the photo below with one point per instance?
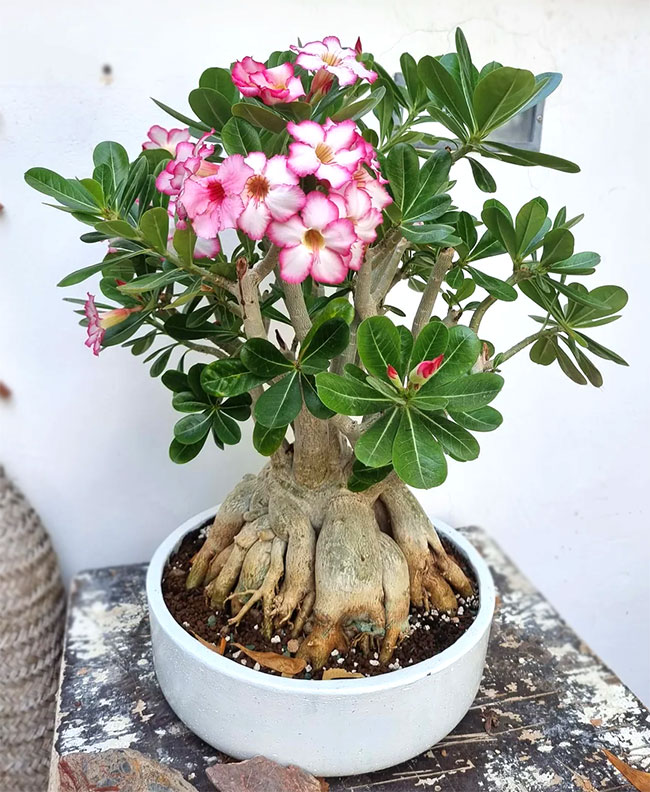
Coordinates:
(431, 632)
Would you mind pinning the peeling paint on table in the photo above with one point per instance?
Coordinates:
(546, 707)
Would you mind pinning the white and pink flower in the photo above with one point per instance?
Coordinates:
(272, 86)
(98, 323)
(168, 139)
(315, 243)
(270, 193)
(355, 204)
(214, 202)
(328, 151)
(189, 160)
(330, 55)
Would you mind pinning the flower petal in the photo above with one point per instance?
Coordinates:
(328, 267)
(255, 219)
(295, 263)
(287, 233)
(278, 171)
(319, 211)
(256, 160)
(302, 159)
(339, 236)
(285, 200)
(233, 173)
(306, 132)
(336, 175)
(341, 136)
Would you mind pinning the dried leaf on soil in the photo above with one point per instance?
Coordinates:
(340, 673)
(276, 662)
(262, 775)
(213, 647)
(638, 778)
(583, 783)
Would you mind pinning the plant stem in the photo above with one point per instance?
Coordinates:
(266, 265)
(503, 356)
(480, 312)
(387, 266)
(432, 289)
(294, 299)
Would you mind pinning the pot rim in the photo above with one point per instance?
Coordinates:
(319, 687)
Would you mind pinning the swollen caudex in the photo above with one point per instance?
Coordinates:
(340, 568)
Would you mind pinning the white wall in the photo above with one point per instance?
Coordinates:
(563, 485)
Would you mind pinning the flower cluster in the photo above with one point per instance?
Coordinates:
(272, 86)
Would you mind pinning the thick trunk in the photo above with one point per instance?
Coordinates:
(339, 567)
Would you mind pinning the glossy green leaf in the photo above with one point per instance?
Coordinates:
(267, 441)
(210, 106)
(455, 441)
(114, 157)
(363, 477)
(499, 222)
(264, 359)
(184, 242)
(463, 347)
(156, 280)
(485, 419)
(431, 342)
(431, 178)
(375, 446)
(312, 399)
(358, 109)
(406, 349)
(558, 246)
(530, 219)
(237, 407)
(349, 396)
(193, 428)
(219, 79)
(259, 116)
(154, 225)
(281, 403)
(602, 351)
(183, 452)
(499, 95)
(328, 340)
(228, 378)
(527, 158)
(226, 428)
(191, 122)
(577, 264)
(482, 176)
(418, 458)
(467, 393)
(445, 89)
(494, 286)
(378, 343)
(414, 86)
(186, 401)
(434, 234)
(176, 381)
(240, 137)
(612, 299)
(569, 367)
(542, 351)
(402, 170)
(69, 192)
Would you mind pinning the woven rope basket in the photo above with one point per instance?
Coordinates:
(32, 610)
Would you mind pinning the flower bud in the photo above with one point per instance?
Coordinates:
(358, 48)
(321, 84)
(393, 376)
(424, 370)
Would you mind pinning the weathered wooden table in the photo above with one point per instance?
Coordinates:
(546, 707)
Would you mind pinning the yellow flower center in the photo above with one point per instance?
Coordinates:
(324, 153)
(313, 239)
(258, 187)
(331, 59)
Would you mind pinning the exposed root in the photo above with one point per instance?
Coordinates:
(397, 602)
(219, 589)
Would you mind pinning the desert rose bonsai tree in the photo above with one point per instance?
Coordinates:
(332, 184)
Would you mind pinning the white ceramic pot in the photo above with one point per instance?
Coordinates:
(334, 727)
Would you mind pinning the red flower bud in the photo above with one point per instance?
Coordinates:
(424, 370)
(357, 47)
(393, 376)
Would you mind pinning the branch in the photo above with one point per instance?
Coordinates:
(249, 300)
(351, 429)
(387, 268)
(481, 310)
(266, 265)
(295, 302)
(503, 356)
(432, 289)
(362, 299)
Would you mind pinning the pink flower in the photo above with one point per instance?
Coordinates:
(314, 243)
(204, 248)
(99, 323)
(160, 138)
(271, 193)
(272, 86)
(327, 151)
(189, 160)
(340, 61)
(214, 202)
(424, 370)
(393, 376)
(355, 204)
(379, 196)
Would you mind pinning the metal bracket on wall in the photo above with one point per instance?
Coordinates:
(524, 131)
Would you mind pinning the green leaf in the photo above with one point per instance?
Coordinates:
(445, 89)
(226, 428)
(418, 458)
(210, 106)
(237, 407)
(463, 347)
(558, 246)
(350, 396)
(147, 283)
(542, 351)
(259, 116)
(363, 477)
(499, 95)
(530, 219)
(264, 359)
(312, 400)
(467, 393)
(355, 372)
(568, 367)
(281, 403)
(176, 381)
(590, 371)
(577, 264)
(406, 348)
(81, 274)
(440, 235)
(184, 242)
(485, 419)
(240, 137)
(455, 441)
(118, 228)
(228, 378)
(467, 70)
(432, 176)
(182, 452)
(494, 286)
(431, 342)
(114, 157)
(402, 170)
(183, 118)
(69, 192)
(358, 109)
(517, 156)
(338, 308)
(132, 187)
(579, 295)
(375, 446)
(329, 339)
(612, 299)
(186, 401)
(499, 222)
(193, 428)
(267, 441)
(219, 79)
(466, 229)
(424, 401)
(414, 86)
(602, 351)
(482, 176)
(154, 225)
(160, 363)
(379, 346)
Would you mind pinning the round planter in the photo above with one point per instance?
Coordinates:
(330, 728)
